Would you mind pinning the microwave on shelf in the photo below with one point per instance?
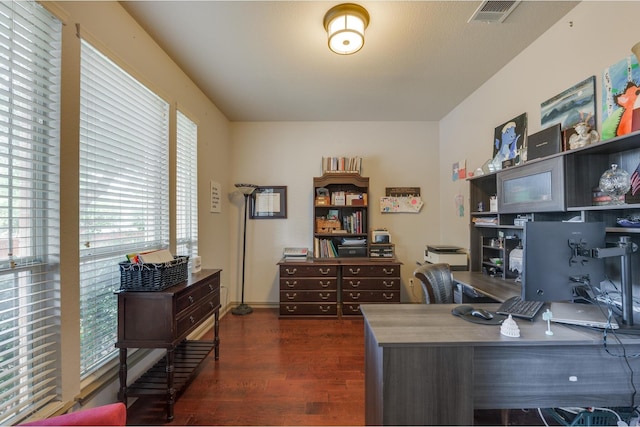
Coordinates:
(534, 187)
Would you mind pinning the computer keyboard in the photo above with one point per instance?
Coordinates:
(516, 307)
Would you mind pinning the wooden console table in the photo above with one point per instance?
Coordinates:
(164, 319)
(424, 366)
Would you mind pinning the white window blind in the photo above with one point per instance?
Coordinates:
(186, 187)
(124, 203)
(29, 208)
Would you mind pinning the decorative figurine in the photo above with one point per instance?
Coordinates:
(584, 134)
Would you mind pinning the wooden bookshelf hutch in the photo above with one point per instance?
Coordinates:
(339, 277)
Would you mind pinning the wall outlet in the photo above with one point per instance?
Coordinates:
(411, 283)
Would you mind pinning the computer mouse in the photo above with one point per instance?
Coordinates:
(481, 313)
(461, 310)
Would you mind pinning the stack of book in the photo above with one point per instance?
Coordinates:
(295, 254)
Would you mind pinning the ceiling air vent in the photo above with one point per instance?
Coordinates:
(493, 11)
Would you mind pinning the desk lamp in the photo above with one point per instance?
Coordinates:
(246, 190)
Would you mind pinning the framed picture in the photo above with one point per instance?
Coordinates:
(572, 106)
(620, 88)
(509, 138)
(268, 203)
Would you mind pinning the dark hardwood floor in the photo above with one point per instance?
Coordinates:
(277, 372)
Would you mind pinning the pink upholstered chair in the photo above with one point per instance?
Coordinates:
(114, 414)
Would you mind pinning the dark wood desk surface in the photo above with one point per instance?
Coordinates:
(496, 288)
(424, 366)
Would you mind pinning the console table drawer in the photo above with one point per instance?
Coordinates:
(329, 283)
(309, 296)
(384, 270)
(308, 309)
(290, 270)
(199, 292)
(349, 283)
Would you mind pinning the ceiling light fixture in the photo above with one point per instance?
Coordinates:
(345, 25)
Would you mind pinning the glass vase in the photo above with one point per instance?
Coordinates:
(615, 182)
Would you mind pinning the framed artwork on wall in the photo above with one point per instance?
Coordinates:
(509, 139)
(571, 106)
(268, 203)
(620, 87)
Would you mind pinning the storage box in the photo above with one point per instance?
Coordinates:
(153, 277)
(544, 143)
(352, 251)
(381, 250)
(322, 200)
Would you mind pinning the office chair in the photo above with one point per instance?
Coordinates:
(436, 281)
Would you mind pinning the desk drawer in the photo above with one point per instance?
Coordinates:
(308, 309)
(350, 283)
(308, 271)
(308, 296)
(383, 270)
(371, 296)
(320, 284)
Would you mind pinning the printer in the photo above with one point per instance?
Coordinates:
(455, 256)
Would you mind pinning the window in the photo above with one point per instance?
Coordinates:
(124, 203)
(187, 187)
(29, 208)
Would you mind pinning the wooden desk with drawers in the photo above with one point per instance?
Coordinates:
(424, 366)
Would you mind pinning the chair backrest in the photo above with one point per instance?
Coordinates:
(436, 281)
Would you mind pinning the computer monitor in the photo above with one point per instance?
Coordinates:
(556, 259)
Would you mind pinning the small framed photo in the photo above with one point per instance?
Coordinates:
(268, 203)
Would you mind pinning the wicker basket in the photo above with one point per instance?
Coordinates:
(327, 225)
(153, 277)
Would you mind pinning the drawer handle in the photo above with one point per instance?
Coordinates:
(324, 297)
(356, 297)
(291, 284)
(390, 271)
(324, 272)
(324, 309)
(292, 271)
(354, 284)
(388, 284)
(387, 297)
(211, 287)
(190, 299)
(354, 308)
(192, 319)
(325, 284)
(291, 296)
(292, 310)
(354, 271)
(211, 304)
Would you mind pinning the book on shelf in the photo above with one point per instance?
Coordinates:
(342, 164)
(324, 248)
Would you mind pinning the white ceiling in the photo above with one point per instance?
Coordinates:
(269, 60)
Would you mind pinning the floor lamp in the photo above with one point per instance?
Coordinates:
(247, 190)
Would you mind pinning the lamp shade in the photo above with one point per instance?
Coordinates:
(246, 188)
(345, 25)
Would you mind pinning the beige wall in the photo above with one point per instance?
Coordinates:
(395, 154)
(594, 35)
